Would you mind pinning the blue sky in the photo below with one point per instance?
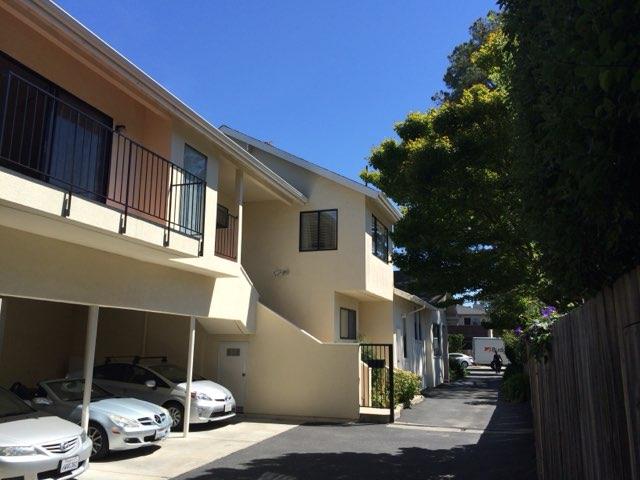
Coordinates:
(325, 80)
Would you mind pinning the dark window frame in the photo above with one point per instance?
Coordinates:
(317, 212)
(374, 235)
(355, 324)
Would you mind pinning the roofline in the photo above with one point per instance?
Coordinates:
(413, 298)
(377, 195)
(53, 14)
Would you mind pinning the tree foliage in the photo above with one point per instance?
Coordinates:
(520, 186)
(456, 342)
(450, 169)
(575, 89)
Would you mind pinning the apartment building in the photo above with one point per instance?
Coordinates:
(326, 265)
(122, 229)
(129, 225)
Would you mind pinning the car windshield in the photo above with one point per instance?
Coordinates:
(72, 390)
(173, 373)
(11, 405)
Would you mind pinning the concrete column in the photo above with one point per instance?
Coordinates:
(89, 356)
(187, 403)
(240, 203)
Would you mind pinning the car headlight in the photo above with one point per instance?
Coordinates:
(16, 451)
(124, 422)
(83, 437)
(200, 396)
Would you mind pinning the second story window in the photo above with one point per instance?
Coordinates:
(191, 184)
(380, 235)
(319, 230)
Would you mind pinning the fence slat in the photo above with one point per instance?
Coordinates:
(586, 397)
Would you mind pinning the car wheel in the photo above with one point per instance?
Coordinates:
(176, 411)
(464, 364)
(99, 440)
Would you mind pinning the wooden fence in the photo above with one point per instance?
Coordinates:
(586, 397)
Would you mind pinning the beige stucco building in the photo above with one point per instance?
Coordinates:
(129, 225)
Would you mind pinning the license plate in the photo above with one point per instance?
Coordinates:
(69, 464)
(227, 407)
(160, 434)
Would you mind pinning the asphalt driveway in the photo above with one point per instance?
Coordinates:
(462, 431)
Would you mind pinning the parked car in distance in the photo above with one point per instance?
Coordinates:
(462, 359)
(164, 384)
(114, 423)
(35, 445)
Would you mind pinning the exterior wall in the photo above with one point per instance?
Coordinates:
(38, 340)
(291, 373)
(416, 360)
(378, 274)
(305, 293)
(43, 268)
(375, 324)
(55, 336)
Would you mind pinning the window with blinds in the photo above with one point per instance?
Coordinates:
(347, 324)
(380, 235)
(319, 230)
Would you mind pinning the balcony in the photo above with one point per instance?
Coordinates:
(226, 234)
(49, 135)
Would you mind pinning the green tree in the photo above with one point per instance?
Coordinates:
(450, 170)
(574, 83)
(456, 341)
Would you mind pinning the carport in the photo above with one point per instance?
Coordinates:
(40, 340)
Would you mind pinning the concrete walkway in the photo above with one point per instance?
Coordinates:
(460, 432)
(177, 455)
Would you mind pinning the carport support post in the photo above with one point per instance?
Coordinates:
(187, 402)
(89, 356)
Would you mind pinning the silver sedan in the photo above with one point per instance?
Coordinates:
(36, 445)
(114, 423)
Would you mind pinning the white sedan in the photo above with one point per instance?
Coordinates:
(462, 359)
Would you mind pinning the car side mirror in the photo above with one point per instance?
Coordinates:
(42, 402)
(150, 384)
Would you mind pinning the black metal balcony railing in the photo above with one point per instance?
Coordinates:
(49, 139)
(226, 234)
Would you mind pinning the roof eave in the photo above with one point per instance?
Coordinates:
(49, 11)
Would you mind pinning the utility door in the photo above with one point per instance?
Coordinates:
(232, 369)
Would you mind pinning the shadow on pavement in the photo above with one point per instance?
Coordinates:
(505, 450)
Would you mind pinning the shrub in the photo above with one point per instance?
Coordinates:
(406, 386)
(456, 371)
(516, 388)
(512, 369)
(456, 340)
(514, 348)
